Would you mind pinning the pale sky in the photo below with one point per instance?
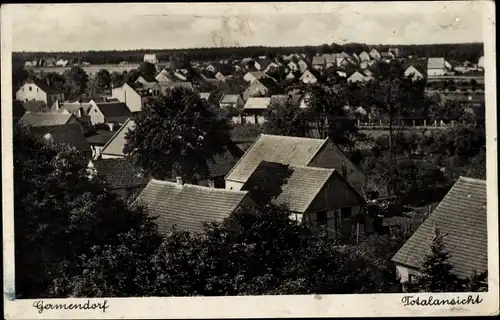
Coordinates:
(72, 27)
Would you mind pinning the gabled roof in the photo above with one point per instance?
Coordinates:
(70, 134)
(257, 74)
(40, 119)
(177, 84)
(120, 173)
(114, 110)
(254, 103)
(435, 63)
(462, 216)
(230, 98)
(44, 86)
(205, 95)
(117, 142)
(101, 137)
(274, 148)
(186, 206)
(72, 107)
(268, 82)
(301, 186)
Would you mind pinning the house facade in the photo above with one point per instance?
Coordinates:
(111, 113)
(375, 54)
(131, 97)
(436, 67)
(308, 77)
(37, 90)
(151, 58)
(114, 147)
(364, 56)
(414, 73)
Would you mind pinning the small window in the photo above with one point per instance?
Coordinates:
(30, 88)
(412, 278)
(23, 89)
(36, 89)
(345, 212)
(321, 218)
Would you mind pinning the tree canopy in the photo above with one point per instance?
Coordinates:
(176, 134)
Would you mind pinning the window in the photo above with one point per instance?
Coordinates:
(321, 218)
(345, 212)
(412, 278)
(36, 89)
(30, 88)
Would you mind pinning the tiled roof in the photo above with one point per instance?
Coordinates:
(117, 142)
(72, 107)
(39, 119)
(318, 60)
(120, 173)
(258, 74)
(435, 63)
(177, 84)
(70, 134)
(230, 98)
(300, 188)
(186, 206)
(257, 103)
(462, 216)
(101, 137)
(273, 148)
(45, 87)
(35, 106)
(114, 110)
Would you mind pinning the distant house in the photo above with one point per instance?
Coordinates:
(231, 101)
(318, 62)
(69, 134)
(293, 66)
(318, 197)
(415, 72)
(245, 63)
(374, 54)
(145, 81)
(79, 109)
(38, 90)
(151, 58)
(187, 207)
(111, 113)
(181, 76)
(260, 88)
(205, 95)
(120, 176)
(480, 62)
(251, 76)
(387, 56)
(461, 217)
(322, 153)
(290, 76)
(302, 65)
(271, 66)
(364, 56)
(164, 77)
(97, 141)
(342, 62)
(114, 146)
(62, 63)
(308, 77)
(394, 51)
(437, 67)
(43, 119)
(255, 109)
(135, 95)
(359, 76)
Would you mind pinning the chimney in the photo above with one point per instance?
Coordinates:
(57, 105)
(179, 181)
(111, 126)
(211, 183)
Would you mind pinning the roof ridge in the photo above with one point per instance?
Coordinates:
(292, 137)
(472, 179)
(195, 186)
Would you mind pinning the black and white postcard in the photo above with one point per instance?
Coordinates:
(249, 160)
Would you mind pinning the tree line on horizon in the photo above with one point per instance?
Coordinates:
(459, 52)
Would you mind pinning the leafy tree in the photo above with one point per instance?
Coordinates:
(131, 76)
(72, 236)
(55, 80)
(117, 79)
(436, 275)
(176, 134)
(147, 70)
(103, 79)
(76, 83)
(286, 118)
(326, 111)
